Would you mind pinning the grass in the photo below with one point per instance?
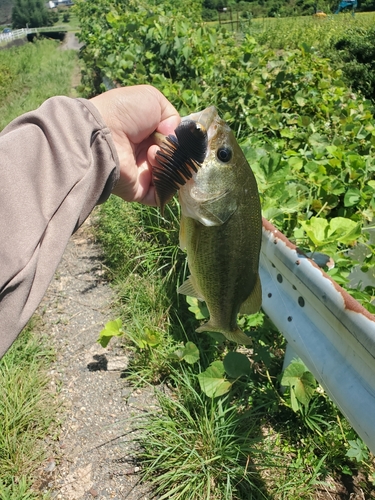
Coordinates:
(248, 444)
(28, 76)
(26, 412)
(142, 276)
(199, 449)
(32, 73)
(73, 23)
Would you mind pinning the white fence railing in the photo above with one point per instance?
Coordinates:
(21, 33)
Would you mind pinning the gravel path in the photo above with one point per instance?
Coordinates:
(71, 42)
(93, 455)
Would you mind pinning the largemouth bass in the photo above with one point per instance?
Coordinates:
(221, 220)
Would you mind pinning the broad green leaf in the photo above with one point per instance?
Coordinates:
(316, 230)
(352, 197)
(301, 101)
(213, 382)
(198, 308)
(150, 338)
(190, 353)
(295, 163)
(186, 51)
(301, 382)
(339, 229)
(357, 450)
(111, 329)
(177, 355)
(318, 140)
(236, 365)
(344, 230)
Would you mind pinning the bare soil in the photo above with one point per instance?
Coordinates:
(93, 455)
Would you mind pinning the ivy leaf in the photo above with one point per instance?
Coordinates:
(301, 382)
(213, 382)
(111, 329)
(236, 365)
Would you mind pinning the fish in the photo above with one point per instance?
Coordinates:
(221, 221)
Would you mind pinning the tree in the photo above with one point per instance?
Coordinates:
(31, 13)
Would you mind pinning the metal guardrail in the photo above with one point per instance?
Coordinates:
(329, 330)
(23, 32)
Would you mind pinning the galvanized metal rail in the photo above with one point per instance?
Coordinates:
(329, 330)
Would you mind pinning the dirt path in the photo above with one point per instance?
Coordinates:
(92, 457)
(71, 42)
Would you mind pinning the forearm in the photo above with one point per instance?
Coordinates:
(56, 164)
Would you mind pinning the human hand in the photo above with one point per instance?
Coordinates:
(132, 114)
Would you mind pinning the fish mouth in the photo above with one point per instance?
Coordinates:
(206, 117)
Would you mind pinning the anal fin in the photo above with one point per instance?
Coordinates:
(236, 335)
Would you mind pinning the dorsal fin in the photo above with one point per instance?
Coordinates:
(178, 158)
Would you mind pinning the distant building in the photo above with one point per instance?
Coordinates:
(58, 3)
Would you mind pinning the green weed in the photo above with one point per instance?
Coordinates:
(26, 412)
(199, 448)
(32, 73)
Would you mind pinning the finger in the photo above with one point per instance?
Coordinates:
(151, 154)
(169, 117)
(146, 191)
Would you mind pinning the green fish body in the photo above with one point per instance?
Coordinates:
(221, 228)
(221, 222)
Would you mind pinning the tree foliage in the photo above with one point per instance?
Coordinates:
(31, 13)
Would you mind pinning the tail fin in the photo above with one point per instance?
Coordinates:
(236, 335)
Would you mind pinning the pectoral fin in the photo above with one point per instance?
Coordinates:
(190, 288)
(254, 301)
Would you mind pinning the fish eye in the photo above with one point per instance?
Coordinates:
(224, 154)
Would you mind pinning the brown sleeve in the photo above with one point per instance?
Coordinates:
(56, 164)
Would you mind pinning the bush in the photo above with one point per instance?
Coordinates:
(356, 50)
